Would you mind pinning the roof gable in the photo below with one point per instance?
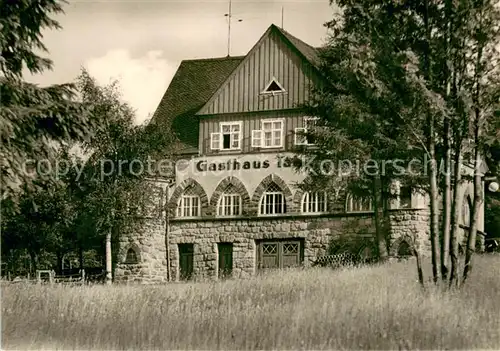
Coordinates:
(277, 55)
(307, 51)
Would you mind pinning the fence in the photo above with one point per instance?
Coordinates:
(52, 277)
(71, 276)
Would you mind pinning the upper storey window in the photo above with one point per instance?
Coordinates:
(270, 135)
(229, 137)
(301, 137)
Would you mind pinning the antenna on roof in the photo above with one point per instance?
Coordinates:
(282, 15)
(229, 16)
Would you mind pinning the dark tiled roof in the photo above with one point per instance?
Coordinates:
(193, 84)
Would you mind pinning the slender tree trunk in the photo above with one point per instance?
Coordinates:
(478, 199)
(445, 243)
(109, 275)
(431, 140)
(80, 255)
(34, 262)
(12, 262)
(447, 191)
(478, 191)
(167, 230)
(434, 220)
(460, 130)
(109, 256)
(381, 238)
(456, 210)
(60, 262)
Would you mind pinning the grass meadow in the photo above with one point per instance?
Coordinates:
(380, 307)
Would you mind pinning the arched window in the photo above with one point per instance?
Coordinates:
(189, 204)
(272, 201)
(230, 203)
(466, 211)
(404, 249)
(131, 257)
(359, 204)
(314, 202)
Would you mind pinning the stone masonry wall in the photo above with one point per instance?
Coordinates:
(149, 245)
(317, 233)
(410, 226)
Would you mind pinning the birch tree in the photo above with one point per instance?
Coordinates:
(485, 41)
(420, 60)
(113, 185)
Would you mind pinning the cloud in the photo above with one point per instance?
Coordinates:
(143, 80)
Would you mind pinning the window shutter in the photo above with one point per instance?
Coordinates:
(300, 138)
(215, 141)
(256, 138)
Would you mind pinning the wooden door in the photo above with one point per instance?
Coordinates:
(290, 254)
(269, 255)
(186, 255)
(280, 254)
(225, 259)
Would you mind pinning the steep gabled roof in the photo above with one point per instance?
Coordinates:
(197, 81)
(310, 53)
(305, 51)
(193, 84)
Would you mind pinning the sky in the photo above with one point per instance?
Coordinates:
(141, 43)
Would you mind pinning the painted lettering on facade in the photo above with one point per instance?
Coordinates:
(235, 165)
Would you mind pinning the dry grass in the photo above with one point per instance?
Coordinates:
(369, 308)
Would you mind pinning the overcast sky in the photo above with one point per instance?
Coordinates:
(142, 43)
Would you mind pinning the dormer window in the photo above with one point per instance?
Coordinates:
(229, 137)
(273, 87)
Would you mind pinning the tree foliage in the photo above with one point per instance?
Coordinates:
(100, 190)
(33, 120)
(406, 80)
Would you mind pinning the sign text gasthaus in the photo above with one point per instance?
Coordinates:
(235, 165)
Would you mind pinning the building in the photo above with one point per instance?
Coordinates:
(234, 207)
